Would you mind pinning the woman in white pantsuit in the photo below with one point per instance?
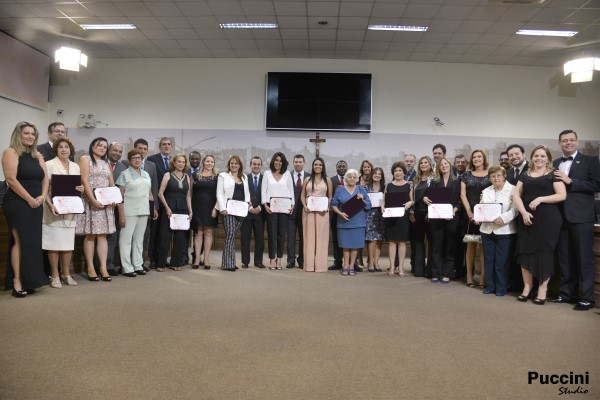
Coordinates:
(135, 187)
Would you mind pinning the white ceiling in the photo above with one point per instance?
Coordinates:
(463, 31)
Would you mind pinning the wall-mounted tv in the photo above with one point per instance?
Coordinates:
(318, 101)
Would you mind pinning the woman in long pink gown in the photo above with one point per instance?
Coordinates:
(316, 223)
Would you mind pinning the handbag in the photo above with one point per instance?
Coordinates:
(470, 238)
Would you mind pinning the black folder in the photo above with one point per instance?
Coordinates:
(353, 206)
(440, 195)
(64, 185)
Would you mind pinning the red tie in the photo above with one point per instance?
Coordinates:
(299, 181)
(112, 167)
(342, 180)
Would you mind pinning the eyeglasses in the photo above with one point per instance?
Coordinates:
(59, 131)
(496, 176)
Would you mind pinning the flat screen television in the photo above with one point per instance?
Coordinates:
(318, 101)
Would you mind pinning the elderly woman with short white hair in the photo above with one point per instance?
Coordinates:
(351, 230)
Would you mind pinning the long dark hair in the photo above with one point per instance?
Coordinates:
(284, 162)
(91, 152)
(323, 174)
(382, 182)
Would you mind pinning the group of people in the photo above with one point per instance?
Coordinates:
(544, 205)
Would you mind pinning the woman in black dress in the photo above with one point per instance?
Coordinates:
(25, 172)
(204, 203)
(418, 217)
(175, 195)
(536, 197)
(472, 184)
(397, 229)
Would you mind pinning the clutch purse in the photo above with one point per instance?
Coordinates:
(470, 238)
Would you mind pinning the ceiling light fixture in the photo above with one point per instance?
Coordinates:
(70, 59)
(537, 32)
(107, 26)
(244, 25)
(403, 28)
(582, 69)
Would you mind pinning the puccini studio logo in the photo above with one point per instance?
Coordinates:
(575, 381)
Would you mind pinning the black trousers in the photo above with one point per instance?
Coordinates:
(295, 228)
(420, 233)
(337, 251)
(443, 241)
(166, 237)
(256, 225)
(576, 259)
(277, 226)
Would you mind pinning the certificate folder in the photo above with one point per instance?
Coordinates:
(396, 199)
(64, 185)
(440, 195)
(353, 206)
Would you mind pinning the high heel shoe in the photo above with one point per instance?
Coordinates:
(538, 301)
(19, 293)
(523, 299)
(93, 278)
(106, 278)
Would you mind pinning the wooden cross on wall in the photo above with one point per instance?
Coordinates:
(317, 141)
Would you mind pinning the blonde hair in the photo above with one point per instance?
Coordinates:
(214, 170)
(419, 174)
(17, 144)
(174, 158)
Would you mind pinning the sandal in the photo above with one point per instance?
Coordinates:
(344, 272)
(352, 272)
(470, 284)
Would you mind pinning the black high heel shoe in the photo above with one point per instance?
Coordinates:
(523, 299)
(539, 302)
(19, 293)
(106, 278)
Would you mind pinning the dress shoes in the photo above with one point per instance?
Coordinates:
(290, 265)
(130, 274)
(334, 267)
(583, 306)
(113, 272)
(560, 299)
(259, 265)
(244, 266)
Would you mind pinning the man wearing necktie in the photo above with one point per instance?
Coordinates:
(115, 152)
(161, 160)
(581, 175)
(518, 163)
(295, 223)
(338, 180)
(194, 163)
(255, 220)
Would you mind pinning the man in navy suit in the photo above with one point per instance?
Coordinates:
(341, 167)
(55, 130)
(255, 220)
(581, 175)
(115, 152)
(161, 160)
(295, 222)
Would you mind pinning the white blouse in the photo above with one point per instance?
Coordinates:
(273, 188)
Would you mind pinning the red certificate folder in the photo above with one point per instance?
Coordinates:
(64, 185)
(396, 199)
(353, 206)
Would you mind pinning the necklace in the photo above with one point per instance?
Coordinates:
(179, 180)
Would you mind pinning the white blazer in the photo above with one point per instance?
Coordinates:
(225, 188)
(509, 211)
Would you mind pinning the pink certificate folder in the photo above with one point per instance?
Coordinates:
(64, 185)
(353, 206)
(440, 195)
(396, 199)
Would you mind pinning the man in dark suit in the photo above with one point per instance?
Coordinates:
(295, 222)
(55, 130)
(460, 269)
(410, 160)
(150, 168)
(341, 167)
(194, 163)
(161, 160)
(581, 175)
(516, 156)
(195, 167)
(255, 220)
(115, 152)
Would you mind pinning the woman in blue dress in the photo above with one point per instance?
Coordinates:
(350, 230)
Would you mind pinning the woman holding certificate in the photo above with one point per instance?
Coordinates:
(444, 191)
(497, 235)
(135, 185)
(375, 224)
(232, 185)
(204, 200)
(350, 203)
(25, 173)
(472, 184)
(397, 228)
(175, 194)
(98, 220)
(277, 188)
(536, 196)
(418, 216)
(316, 197)
(58, 230)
